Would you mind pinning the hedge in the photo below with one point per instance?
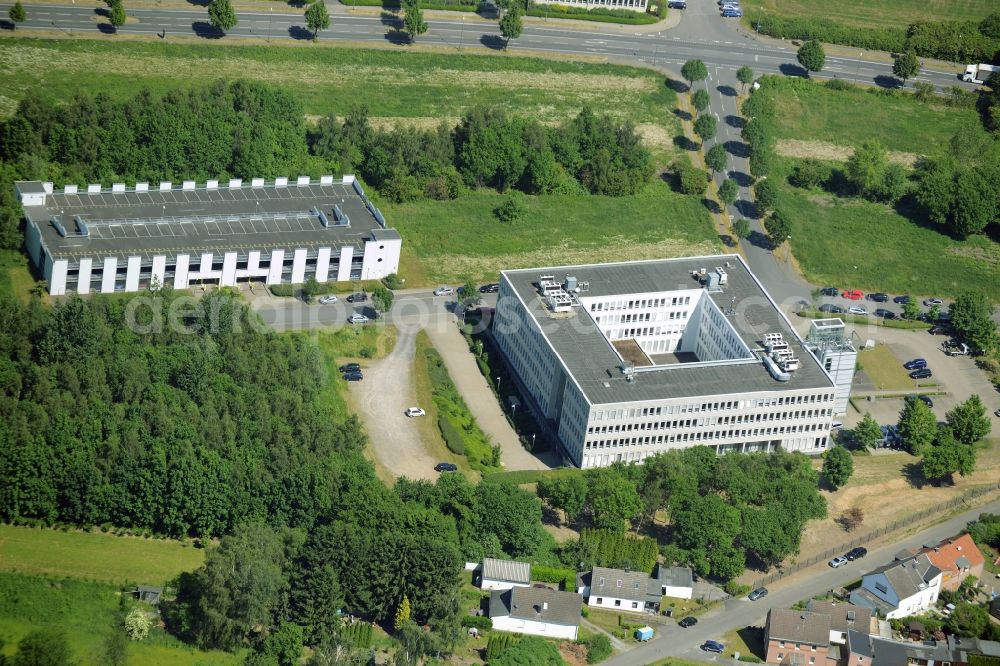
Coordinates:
(566, 578)
(617, 550)
(452, 437)
(600, 14)
(446, 5)
(499, 642)
(358, 634)
(598, 647)
(480, 622)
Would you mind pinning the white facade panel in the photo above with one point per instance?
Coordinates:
(108, 277)
(57, 279)
(344, 269)
(677, 592)
(299, 266)
(132, 276)
(158, 274)
(228, 278)
(381, 258)
(322, 264)
(181, 271)
(490, 584)
(615, 603)
(205, 269)
(274, 274)
(517, 625)
(83, 276)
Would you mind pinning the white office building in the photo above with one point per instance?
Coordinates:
(632, 5)
(124, 239)
(627, 360)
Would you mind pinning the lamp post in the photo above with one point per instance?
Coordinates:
(461, 39)
(270, 13)
(857, 72)
(498, 386)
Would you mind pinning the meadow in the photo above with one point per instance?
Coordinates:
(878, 13)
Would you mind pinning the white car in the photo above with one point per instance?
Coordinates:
(444, 291)
(328, 299)
(996, 413)
(358, 319)
(855, 310)
(415, 411)
(838, 561)
(933, 301)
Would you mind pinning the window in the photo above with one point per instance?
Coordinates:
(881, 588)
(635, 604)
(618, 602)
(600, 600)
(600, 581)
(781, 656)
(812, 660)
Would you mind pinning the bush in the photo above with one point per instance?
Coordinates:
(598, 647)
(392, 281)
(691, 180)
(479, 622)
(452, 437)
(750, 659)
(735, 589)
(282, 289)
(809, 173)
(566, 578)
(601, 14)
(839, 84)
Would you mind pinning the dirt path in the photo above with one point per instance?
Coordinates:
(833, 152)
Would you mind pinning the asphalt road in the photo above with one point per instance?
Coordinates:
(674, 641)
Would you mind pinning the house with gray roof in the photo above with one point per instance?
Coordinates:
(817, 635)
(900, 588)
(536, 610)
(497, 574)
(620, 590)
(866, 650)
(675, 582)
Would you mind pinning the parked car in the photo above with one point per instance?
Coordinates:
(902, 300)
(885, 314)
(922, 373)
(878, 297)
(353, 376)
(996, 413)
(915, 364)
(351, 367)
(829, 291)
(713, 646)
(323, 300)
(730, 13)
(689, 621)
(890, 437)
(360, 297)
(853, 294)
(444, 291)
(446, 467)
(677, 4)
(358, 319)
(939, 330)
(932, 301)
(856, 553)
(415, 411)
(832, 309)
(838, 561)
(857, 310)
(926, 399)
(759, 593)
(490, 288)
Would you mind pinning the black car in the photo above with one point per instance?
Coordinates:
(491, 288)
(832, 309)
(885, 314)
(856, 553)
(878, 297)
(351, 367)
(829, 291)
(446, 467)
(355, 376)
(939, 330)
(357, 298)
(922, 373)
(902, 300)
(677, 4)
(687, 622)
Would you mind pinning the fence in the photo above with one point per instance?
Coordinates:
(872, 535)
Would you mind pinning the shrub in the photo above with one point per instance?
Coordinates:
(392, 281)
(692, 180)
(566, 578)
(923, 91)
(598, 647)
(810, 172)
(452, 437)
(751, 659)
(735, 589)
(479, 622)
(839, 84)
(367, 352)
(282, 289)
(604, 15)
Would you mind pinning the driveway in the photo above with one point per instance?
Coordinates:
(381, 400)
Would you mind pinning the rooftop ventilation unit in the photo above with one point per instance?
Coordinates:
(774, 341)
(81, 226)
(570, 283)
(60, 229)
(723, 275)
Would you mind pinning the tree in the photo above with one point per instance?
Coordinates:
(765, 195)
(968, 421)
(17, 14)
(221, 15)
(917, 426)
(137, 624)
(694, 70)
(946, 457)
(911, 309)
(715, 158)
(402, 613)
(567, 494)
(906, 66)
(968, 620)
(700, 100)
(811, 55)
(866, 167)
(741, 228)
(779, 229)
(728, 191)
(43, 647)
(990, 26)
(511, 24)
(867, 433)
(468, 294)
(972, 318)
(745, 76)
(705, 127)
(382, 298)
(116, 15)
(511, 209)
(838, 465)
(513, 515)
(413, 19)
(691, 180)
(598, 645)
(317, 17)
(612, 497)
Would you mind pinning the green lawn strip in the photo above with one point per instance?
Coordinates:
(807, 111)
(522, 477)
(430, 433)
(882, 13)
(95, 555)
(463, 237)
(334, 80)
(622, 625)
(347, 343)
(745, 641)
(15, 276)
(884, 369)
(905, 324)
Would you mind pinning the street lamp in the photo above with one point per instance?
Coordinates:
(461, 39)
(270, 13)
(857, 73)
(498, 385)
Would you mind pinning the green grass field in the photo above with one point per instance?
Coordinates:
(95, 556)
(879, 13)
(884, 369)
(333, 80)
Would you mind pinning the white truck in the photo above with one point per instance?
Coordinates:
(979, 73)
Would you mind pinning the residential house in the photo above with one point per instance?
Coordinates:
(957, 558)
(816, 635)
(536, 610)
(865, 650)
(617, 589)
(503, 574)
(675, 582)
(901, 588)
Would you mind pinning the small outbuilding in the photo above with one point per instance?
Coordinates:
(504, 574)
(150, 595)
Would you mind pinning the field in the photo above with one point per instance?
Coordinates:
(334, 80)
(884, 369)
(95, 556)
(879, 13)
(15, 277)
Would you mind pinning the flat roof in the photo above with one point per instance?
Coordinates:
(200, 220)
(591, 359)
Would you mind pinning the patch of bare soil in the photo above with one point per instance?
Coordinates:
(573, 654)
(832, 152)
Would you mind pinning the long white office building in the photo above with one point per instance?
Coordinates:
(627, 360)
(632, 5)
(122, 239)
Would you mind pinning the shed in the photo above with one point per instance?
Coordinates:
(504, 574)
(644, 633)
(150, 595)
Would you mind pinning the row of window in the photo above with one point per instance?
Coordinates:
(705, 436)
(724, 405)
(734, 419)
(618, 602)
(641, 303)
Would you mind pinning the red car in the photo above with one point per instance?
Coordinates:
(853, 294)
